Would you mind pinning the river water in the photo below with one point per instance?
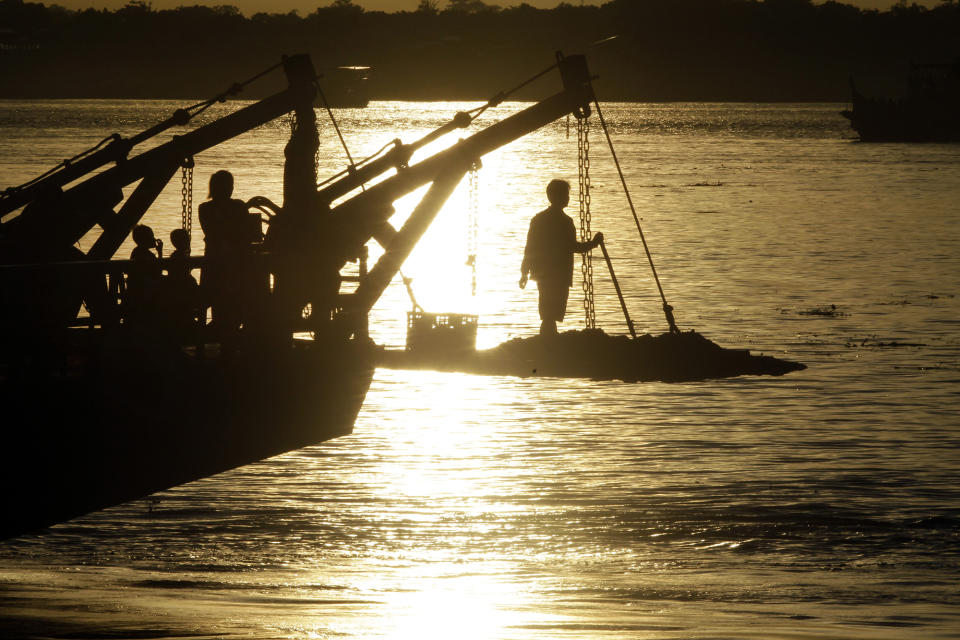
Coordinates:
(821, 504)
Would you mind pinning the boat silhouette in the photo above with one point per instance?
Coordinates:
(926, 113)
(345, 87)
(105, 401)
(99, 409)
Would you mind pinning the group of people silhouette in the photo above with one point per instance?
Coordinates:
(151, 298)
(229, 232)
(176, 300)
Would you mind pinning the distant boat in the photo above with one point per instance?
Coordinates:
(927, 113)
(345, 87)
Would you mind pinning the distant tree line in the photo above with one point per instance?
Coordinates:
(676, 50)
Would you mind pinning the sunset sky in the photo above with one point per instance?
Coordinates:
(250, 7)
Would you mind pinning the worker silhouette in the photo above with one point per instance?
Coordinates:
(548, 256)
(181, 288)
(143, 277)
(226, 240)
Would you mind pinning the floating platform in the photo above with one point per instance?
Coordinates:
(591, 353)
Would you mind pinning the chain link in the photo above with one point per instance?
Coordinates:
(186, 196)
(473, 224)
(316, 164)
(586, 265)
(294, 124)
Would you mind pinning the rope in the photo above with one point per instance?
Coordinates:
(335, 125)
(233, 90)
(667, 309)
(586, 265)
(393, 143)
(501, 96)
(407, 282)
(473, 114)
(181, 116)
(62, 165)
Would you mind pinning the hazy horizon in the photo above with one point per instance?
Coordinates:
(304, 7)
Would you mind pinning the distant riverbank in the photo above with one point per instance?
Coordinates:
(747, 51)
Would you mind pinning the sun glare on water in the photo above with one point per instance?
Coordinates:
(435, 452)
(439, 607)
(507, 192)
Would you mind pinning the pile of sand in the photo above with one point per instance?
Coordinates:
(591, 353)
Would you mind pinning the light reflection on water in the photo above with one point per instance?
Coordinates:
(821, 504)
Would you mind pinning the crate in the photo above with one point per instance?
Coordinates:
(441, 333)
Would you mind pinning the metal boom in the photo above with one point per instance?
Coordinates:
(365, 216)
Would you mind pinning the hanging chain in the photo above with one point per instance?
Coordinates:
(473, 224)
(316, 164)
(294, 124)
(186, 196)
(586, 266)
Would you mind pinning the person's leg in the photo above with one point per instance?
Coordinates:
(553, 302)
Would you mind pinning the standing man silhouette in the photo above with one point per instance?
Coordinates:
(226, 239)
(548, 256)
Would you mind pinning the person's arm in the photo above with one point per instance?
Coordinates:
(525, 263)
(204, 218)
(528, 250)
(583, 247)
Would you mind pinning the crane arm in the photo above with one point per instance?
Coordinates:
(361, 217)
(61, 219)
(364, 216)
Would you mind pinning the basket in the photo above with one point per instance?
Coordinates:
(441, 333)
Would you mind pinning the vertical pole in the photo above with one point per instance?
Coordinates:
(364, 323)
(616, 285)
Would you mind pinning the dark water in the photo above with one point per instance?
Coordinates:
(823, 504)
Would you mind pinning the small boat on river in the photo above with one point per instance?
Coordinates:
(345, 88)
(927, 113)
